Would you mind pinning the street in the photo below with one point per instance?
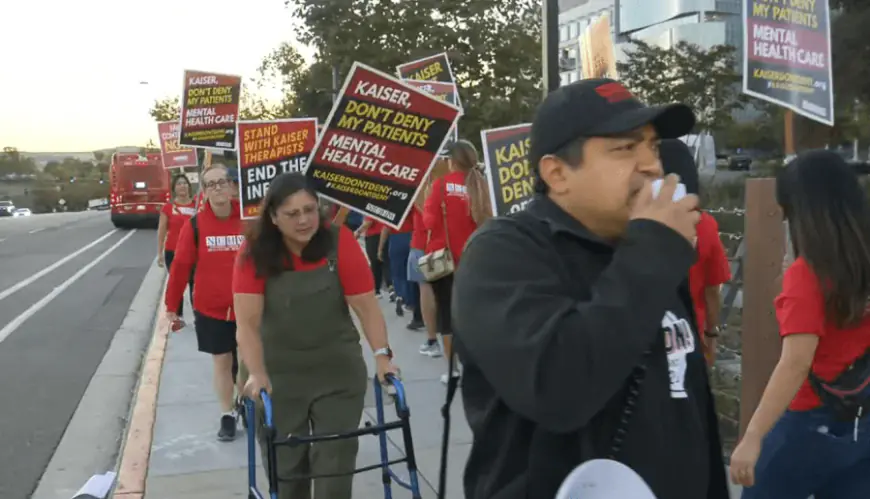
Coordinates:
(67, 281)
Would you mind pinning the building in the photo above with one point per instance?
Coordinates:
(664, 23)
(574, 17)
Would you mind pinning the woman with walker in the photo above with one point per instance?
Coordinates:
(295, 279)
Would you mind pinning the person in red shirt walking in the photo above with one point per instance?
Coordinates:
(295, 282)
(210, 240)
(711, 270)
(424, 305)
(173, 215)
(810, 435)
(457, 204)
(371, 230)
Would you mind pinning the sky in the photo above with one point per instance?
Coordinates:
(70, 71)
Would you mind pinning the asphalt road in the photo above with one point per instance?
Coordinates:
(56, 323)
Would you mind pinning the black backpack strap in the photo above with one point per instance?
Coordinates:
(332, 256)
(195, 227)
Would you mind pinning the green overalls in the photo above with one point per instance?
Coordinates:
(314, 361)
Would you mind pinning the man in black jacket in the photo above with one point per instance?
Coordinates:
(573, 319)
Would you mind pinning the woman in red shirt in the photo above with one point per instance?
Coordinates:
(294, 283)
(420, 290)
(802, 441)
(172, 218)
(711, 270)
(457, 205)
(371, 230)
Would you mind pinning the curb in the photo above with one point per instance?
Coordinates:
(136, 450)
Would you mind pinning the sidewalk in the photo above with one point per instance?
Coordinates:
(187, 461)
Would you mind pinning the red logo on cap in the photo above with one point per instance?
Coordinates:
(613, 92)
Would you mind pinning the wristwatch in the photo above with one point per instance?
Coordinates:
(386, 351)
(713, 332)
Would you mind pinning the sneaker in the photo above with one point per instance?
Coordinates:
(400, 310)
(444, 377)
(430, 349)
(227, 432)
(378, 294)
(415, 325)
(392, 296)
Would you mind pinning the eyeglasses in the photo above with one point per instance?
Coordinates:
(214, 184)
(295, 215)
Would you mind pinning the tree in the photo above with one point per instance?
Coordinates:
(494, 48)
(11, 162)
(850, 48)
(251, 108)
(705, 79)
(167, 109)
(306, 89)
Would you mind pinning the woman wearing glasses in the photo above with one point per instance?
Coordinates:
(212, 246)
(295, 282)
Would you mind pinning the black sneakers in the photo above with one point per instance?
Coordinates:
(400, 307)
(227, 433)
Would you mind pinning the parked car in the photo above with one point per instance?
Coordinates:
(6, 208)
(739, 163)
(22, 212)
(861, 167)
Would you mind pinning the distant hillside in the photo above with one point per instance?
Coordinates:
(43, 158)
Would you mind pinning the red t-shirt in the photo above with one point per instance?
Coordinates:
(451, 189)
(800, 309)
(420, 234)
(353, 269)
(711, 269)
(375, 228)
(407, 225)
(176, 215)
(214, 255)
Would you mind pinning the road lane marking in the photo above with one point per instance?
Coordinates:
(30, 280)
(36, 307)
(34, 231)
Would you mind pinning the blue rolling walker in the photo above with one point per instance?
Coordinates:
(380, 429)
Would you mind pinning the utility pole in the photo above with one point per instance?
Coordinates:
(335, 83)
(550, 45)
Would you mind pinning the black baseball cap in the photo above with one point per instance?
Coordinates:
(599, 107)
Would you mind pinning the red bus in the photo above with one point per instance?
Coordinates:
(138, 188)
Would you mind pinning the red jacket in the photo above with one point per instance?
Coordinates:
(214, 257)
(460, 225)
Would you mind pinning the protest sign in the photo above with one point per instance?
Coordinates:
(443, 91)
(433, 68)
(174, 156)
(379, 144)
(268, 149)
(209, 110)
(787, 56)
(506, 156)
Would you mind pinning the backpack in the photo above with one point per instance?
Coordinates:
(848, 395)
(195, 227)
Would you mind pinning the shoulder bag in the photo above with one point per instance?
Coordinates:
(439, 263)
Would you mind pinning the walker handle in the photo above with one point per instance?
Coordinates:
(392, 379)
(267, 407)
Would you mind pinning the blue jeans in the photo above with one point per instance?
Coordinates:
(810, 453)
(400, 246)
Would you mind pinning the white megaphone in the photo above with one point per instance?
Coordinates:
(604, 479)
